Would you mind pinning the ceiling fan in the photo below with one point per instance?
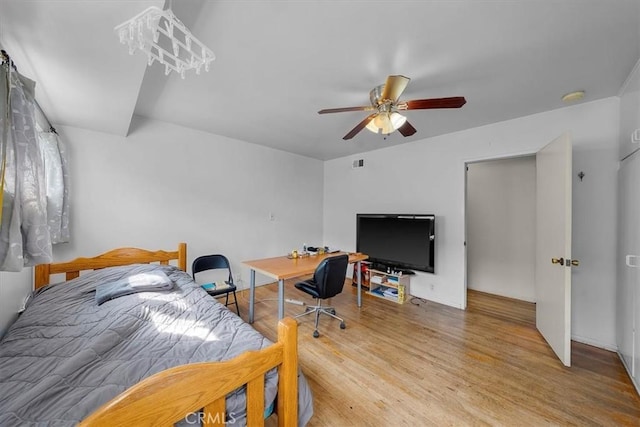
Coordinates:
(385, 104)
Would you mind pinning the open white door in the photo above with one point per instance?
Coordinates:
(553, 245)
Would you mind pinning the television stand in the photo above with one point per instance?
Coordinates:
(390, 269)
(390, 286)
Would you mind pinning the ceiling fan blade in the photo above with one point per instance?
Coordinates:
(424, 104)
(342, 110)
(394, 86)
(359, 127)
(406, 129)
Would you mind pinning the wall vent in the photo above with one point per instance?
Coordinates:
(357, 164)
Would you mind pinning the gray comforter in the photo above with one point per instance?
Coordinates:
(66, 355)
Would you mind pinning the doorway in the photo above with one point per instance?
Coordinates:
(500, 218)
(552, 237)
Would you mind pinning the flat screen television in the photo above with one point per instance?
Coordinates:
(397, 241)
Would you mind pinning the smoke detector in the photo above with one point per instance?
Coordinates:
(573, 96)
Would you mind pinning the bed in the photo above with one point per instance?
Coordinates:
(158, 357)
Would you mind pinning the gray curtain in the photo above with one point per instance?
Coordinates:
(34, 202)
(54, 159)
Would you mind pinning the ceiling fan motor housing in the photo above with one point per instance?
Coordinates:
(376, 95)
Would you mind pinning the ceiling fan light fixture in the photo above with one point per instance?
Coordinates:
(386, 123)
(397, 120)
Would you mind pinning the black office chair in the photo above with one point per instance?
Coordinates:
(215, 262)
(327, 282)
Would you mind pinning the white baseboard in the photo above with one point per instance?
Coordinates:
(613, 349)
(594, 343)
(634, 382)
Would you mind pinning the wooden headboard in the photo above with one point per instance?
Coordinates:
(113, 258)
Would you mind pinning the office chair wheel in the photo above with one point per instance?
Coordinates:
(342, 325)
(316, 334)
(333, 311)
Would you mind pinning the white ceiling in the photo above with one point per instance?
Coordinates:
(279, 62)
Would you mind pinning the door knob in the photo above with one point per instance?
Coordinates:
(575, 262)
(557, 261)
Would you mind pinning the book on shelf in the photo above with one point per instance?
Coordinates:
(391, 292)
(379, 290)
(377, 279)
(385, 291)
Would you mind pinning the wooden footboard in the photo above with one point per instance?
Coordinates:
(116, 257)
(180, 392)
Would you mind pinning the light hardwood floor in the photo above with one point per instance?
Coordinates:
(429, 364)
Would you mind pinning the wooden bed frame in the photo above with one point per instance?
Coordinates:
(182, 391)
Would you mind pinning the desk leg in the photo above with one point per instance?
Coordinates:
(252, 294)
(359, 284)
(280, 299)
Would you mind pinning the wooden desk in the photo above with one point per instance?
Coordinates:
(282, 268)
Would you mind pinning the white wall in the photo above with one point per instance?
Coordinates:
(427, 176)
(165, 184)
(501, 219)
(14, 289)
